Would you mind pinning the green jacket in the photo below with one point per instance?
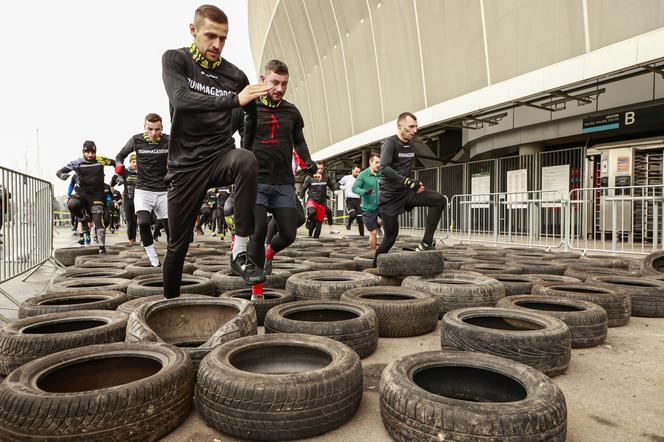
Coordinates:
(367, 180)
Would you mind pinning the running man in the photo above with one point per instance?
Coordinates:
(352, 200)
(203, 90)
(398, 192)
(366, 185)
(89, 199)
(278, 133)
(151, 149)
(128, 179)
(316, 188)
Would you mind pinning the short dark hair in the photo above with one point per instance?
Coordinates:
(210, 12)
(152, 118)
(276, 66)
(320, 163)
(403, 115)
(374, 155)
(355, 166)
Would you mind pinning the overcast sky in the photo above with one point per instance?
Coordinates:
(79, 70)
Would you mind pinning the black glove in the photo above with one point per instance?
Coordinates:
(368, 191)
(64, 176)
(412, 184)
(312, 168)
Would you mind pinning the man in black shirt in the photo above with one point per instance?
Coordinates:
(317, 198)
(400, 193)
(278, 132)
(151, 149)
(127, 179)
(89, 201)
(203, 90)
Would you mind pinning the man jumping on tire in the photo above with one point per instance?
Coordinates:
(398, 192)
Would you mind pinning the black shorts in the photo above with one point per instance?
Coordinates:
(371, 219)
(276, 196)
(353, 204)
(93, 203)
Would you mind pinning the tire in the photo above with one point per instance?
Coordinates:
(351, 324)
(455, 262)
(411, 263)
(66, 302)
(329, 264)
(401, 312)
(195, 324)
(37, 336)
(348, 253)
(548, 280)
(463, 396)
(647, 295)
(202, 251)
(618, 306)
(151, 395)
(387, 281)
(225, 281)
(492, 268)
(284, 387)
(151, 286)
(213, 268)
(653, 264)
(542, 267)
(459, 289)
(605, 261)
(327, 284)
(587, 322)
(540, 341)
(515, 284)
(271, 298)
(67, 255)
(309, 252)
(89, 284)
(130, 306)
(102, 263)
(77, 273)
(582, 273)
(290, 267)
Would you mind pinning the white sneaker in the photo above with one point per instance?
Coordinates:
(152, 255)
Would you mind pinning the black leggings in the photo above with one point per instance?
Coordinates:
(286, 219)
(272, 228)
(130, 218)
(433, 200)
(82, 207)
(314, 226)
(144, 223)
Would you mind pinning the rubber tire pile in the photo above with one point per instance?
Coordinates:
(101, 355)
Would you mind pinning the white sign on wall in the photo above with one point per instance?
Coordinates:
(555, 184)
(480, 187)
(517, 188)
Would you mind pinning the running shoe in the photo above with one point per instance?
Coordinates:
(243, 266)
(424, 247)
(81, 242)
(222, 236)
(87, 239)
(102, 250)
(268, 267)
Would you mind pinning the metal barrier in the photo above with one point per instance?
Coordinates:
(617, 219)
(533, 218)
(26, 221)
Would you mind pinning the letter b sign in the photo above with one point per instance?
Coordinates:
(630, 118)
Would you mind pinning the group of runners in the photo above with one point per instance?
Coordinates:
(169, 177)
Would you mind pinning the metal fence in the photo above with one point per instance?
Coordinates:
(26, 212)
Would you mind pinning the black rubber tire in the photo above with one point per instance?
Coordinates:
(225, 281)
(515, 284)
(197, 324)
(202, 251)
(328, 284)
(271, 298)
(426, 263)
(290, 267)
(272, 396)
(618, 306)
(605, 261)
(587, 322)
(77, 273)
(37, 336)
(547, 348)
(306, 253)
(89, 284)
(387, 281)
(540, 266)
(584, 272)
(349, 253)
(358, 329)
(151, 286)
(477, 397)
(647, 295)
(103, 263)
(213, 268)
(364, 261)
(401, 312)
(653, 264)
(142, 268)
(66, 302)
(67, 255)
(455, 262)
(127, 308)
(133, 409)
(458, 289)
(547, 280)
(510, 268)
(329, 264)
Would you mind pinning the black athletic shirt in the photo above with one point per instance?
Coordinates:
(90, 174)
(151, 157)
(318, 189)
(128, 181)
(201, 101)
(396, 164)
(278, 131)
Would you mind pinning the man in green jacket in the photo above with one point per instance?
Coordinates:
(366, 185)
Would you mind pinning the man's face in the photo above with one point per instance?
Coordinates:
(320, 169)
(89, 155)
(153, 129)
(210, 38)
(355, 172)
(133, 164)
(374, 163)
(407, 128)
(278, 84)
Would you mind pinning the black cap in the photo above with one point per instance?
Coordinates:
(89, 146)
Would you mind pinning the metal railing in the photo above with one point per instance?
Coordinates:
(26, 211)
(533, 218)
